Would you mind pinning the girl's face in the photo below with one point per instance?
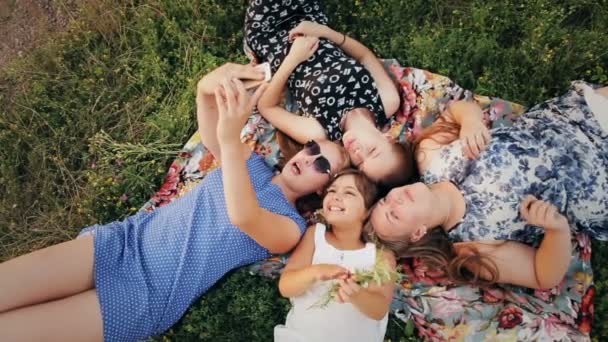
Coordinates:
(343, 203)
(404, 213)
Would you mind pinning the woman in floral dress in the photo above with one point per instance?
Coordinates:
(512, 184)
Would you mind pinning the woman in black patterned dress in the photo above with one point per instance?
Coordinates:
(339, 84)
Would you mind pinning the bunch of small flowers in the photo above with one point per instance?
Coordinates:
(381, 273)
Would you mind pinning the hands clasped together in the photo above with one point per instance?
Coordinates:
(305, 38)
(234, 103)
(348, 286)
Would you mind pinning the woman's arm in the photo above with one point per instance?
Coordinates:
(373, 301)
(386, 88)
(473, 132)
(301, 129)
(206, 109)
(461, 120)
(277, 233)
(299, 275)
(520, 264)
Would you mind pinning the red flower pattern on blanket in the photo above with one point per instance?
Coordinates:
(510, 317)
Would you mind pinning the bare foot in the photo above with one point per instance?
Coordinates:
(602, 91)
(598, 103)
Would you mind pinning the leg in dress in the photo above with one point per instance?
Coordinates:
(54, 272)
(75, 318)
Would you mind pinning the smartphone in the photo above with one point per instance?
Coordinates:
(250, 84)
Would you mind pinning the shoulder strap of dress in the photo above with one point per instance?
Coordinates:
(371, 247)
(320, 235)
(371, 251)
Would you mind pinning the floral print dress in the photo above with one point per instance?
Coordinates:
(557, 151)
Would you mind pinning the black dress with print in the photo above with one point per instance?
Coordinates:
(329, 83)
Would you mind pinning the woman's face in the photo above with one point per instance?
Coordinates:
(309, 170)
(371, 152)
(404, 213)
(343, 203)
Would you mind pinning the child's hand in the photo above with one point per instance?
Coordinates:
(325, 272)
(475, 137)
(307, 28)
(234, 105)
(543, 214)
(302, 49)
(348, 290)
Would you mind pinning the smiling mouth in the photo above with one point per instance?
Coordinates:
(334, 209)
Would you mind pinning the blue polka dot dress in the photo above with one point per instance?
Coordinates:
(150, 267)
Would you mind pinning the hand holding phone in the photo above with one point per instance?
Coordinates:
(264, 67)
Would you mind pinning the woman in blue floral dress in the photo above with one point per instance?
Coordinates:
(509, 185)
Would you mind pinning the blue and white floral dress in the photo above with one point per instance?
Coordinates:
(557, 151)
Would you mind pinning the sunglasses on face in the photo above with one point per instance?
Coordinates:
(321, 164)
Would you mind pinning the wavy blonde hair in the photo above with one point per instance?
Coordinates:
(436, 251)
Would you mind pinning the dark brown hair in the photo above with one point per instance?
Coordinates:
(290, 148)
(367, 188)
(405, 172)
(436, 251)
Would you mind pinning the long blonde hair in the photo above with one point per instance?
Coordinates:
(436, 251)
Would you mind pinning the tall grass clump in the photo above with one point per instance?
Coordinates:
(90, 121)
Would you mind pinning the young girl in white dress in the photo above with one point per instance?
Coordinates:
(330, 254)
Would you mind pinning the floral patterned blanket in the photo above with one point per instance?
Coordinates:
(440, 311)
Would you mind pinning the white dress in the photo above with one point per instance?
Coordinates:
(335, 322)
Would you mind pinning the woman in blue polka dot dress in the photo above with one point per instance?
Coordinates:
(135, 278)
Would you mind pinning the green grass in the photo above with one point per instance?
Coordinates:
(130, 69)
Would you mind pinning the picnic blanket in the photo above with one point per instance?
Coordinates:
(439, 310)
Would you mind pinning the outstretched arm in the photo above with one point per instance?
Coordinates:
(386, 88)
(277, 233)
(206, 108)
(301, 129)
